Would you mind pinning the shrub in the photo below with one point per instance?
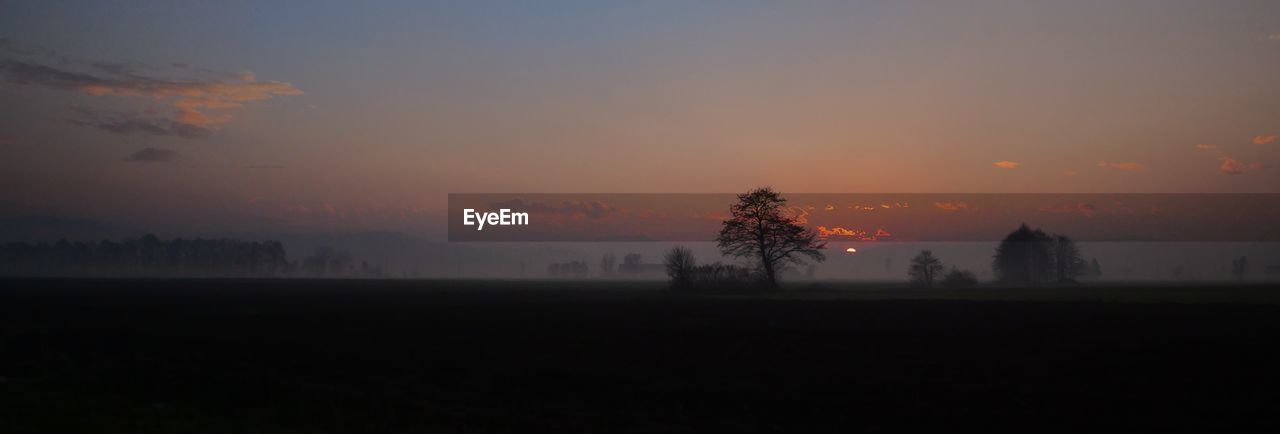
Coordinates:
(957, 278)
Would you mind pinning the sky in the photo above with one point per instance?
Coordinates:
(338, 116)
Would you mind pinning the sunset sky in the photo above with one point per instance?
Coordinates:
(336, 116)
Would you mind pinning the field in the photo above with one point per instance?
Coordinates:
(335, 356)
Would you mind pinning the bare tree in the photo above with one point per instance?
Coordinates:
(925, 269)
(1095, 269)
(1067, 263)
(680, 263)
(760, 228)
(1240, 267)
(607, 264)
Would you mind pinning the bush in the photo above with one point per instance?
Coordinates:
(957, 278)
(721, 276)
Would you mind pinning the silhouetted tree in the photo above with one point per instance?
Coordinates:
(957, 278)
(146, 256)
(1095, 270)
(925, 269)
(1239, 268)
(607, 264)
(679, 263)
(327, 262)
(759, 228)
(574, 269)
(1067, 263)
(1024, 256)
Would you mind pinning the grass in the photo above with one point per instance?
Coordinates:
(335, 356)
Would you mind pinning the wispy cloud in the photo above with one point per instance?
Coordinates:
(593, 210)
(128, 123)
(852, 233)
(1087, 209)
(199, 100)
(1231, 166)
(1129, 166)
(1262, 140)
(951, 206)
(1007, 164)
(1205, 146)
(1274, 37)
(152, 155)
(1070, 173)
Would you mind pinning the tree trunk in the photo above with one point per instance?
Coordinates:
(768, 272)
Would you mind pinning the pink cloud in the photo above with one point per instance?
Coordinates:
(1262, 140)
(1007, 164)
(1129, 166)
(191, 99)
(1231, 166)
(951, 206)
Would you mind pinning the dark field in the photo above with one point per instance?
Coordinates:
(268, 356)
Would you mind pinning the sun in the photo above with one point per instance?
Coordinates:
(851, 250)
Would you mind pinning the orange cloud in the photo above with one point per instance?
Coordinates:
(1070, 173)
(856, 234)
(839, 232)
(1007, 164)
(1231, 166)
(951, 206)
(1121, 166)
(190, 98)
(1262, 140)
(1205, 147)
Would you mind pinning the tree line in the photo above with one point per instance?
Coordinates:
(760, 231)
(150, 256)
(1024, 257)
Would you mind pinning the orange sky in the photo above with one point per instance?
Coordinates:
(344, 118)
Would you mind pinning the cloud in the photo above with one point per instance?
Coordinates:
(951, 206)
(1205, 147)
(1121, 166)
(1007, 164)
(152, 155)
(1231, 166)
(1070, 172)
(855, 234)
(264, 166)
(1262, 140)
(191, 100)
(593, 210)
(840, 232)
(1274, 37)
(129, 123)
(1087, 209)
